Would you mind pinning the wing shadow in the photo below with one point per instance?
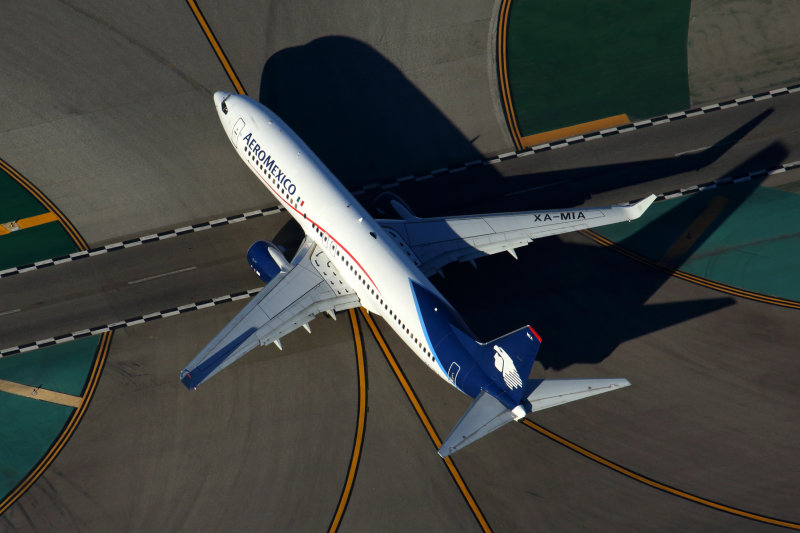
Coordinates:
(369, 123)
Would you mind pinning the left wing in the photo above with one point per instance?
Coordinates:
(309, 286)
(435, 242)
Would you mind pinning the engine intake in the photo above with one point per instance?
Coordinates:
(266, 260)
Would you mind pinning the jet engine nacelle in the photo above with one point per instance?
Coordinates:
(266, 260)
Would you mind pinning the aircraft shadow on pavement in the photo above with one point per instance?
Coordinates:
(584, 300)
(368, 123)
(363, 118)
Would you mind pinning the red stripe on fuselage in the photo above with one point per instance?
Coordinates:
(282, 199)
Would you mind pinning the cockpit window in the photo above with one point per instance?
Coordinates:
(224, 107)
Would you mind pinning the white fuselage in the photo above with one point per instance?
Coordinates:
(369, 259)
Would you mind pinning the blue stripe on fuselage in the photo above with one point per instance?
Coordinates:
(425, 331)
(439, 322)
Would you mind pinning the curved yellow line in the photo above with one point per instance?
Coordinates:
(45, 201)
(412, 397)
(721, 287)
(655, 484)
(212, 40)
(502, 65)
(360, 426)
(69, 428)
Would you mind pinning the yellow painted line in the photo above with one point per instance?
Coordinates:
(35, 393)
(37, 220)
(437, 442)
(360, 425)
(502, 65)
(223, 59)
(655, 484)
(698, 226)
(44, 200)
(571, 131)
(61, 440)
(721, 287)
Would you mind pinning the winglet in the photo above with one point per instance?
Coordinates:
(636, 210)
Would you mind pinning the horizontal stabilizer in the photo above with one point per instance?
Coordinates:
(551, 392)
(484, 416)
(487, 413)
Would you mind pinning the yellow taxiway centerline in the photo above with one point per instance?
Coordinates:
(412, 397)
(360, 425)
(655, 484)
(212, 40)
(721, 287)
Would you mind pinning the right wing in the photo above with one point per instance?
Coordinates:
(311, 285)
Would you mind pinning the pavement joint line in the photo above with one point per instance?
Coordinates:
(233, 219)
(138, 241)
(727, 180)
(133, 321)
(626, 128)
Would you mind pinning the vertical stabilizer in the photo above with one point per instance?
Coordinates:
(507, 360)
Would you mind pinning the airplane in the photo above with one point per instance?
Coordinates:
(350, 259)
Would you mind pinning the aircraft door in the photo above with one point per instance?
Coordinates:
(237, 131)
(452, 372)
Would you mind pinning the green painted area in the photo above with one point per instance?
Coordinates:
(754, 243)
(34, 244)
(575, 61)
(28, 429)
(15, 201)
(62, 367)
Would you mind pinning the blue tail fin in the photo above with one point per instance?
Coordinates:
(507, 360)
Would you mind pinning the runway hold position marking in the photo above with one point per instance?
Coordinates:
(360, 425)
(437, 442)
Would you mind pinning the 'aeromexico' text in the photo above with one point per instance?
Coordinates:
(269, 164)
